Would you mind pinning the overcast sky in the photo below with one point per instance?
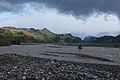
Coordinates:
(88, 17)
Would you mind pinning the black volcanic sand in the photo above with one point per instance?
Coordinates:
(17, 67)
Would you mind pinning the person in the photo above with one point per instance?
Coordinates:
(79, 47)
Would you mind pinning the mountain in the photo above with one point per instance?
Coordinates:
(104, 39)
(90, 39)
(30, 35)
(117, 39)
(69, 38)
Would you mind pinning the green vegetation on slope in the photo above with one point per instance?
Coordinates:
(31, 35)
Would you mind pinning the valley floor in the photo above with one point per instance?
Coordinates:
(58, 62)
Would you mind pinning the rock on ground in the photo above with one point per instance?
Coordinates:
(18, 67)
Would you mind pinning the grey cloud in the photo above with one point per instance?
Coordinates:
(6, 6)
(73, 7)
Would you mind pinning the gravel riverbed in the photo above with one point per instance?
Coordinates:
(19, 67)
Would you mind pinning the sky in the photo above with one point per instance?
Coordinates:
(79, 17)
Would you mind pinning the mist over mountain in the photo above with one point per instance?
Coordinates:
(100, 34)
(104, 34)
(80, 35)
